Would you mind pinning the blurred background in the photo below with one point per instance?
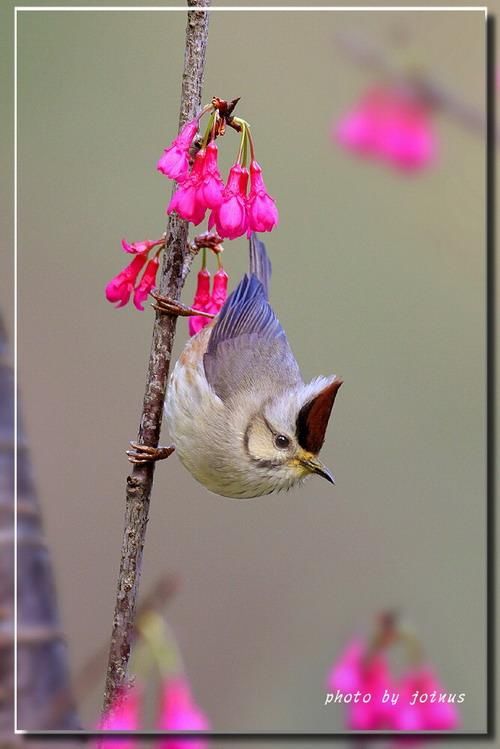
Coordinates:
(379, 277)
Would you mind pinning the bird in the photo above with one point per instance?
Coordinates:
(243, 421)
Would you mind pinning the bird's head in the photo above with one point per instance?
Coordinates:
(283, 439)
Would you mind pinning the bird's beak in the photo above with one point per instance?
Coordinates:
(316, 466)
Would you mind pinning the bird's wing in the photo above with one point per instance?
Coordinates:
(248, 348)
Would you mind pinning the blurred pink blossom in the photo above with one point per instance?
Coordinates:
(179, 712)
(123, 716)
(359, 671)
(430, 714)
(420, 702)
(391, 125)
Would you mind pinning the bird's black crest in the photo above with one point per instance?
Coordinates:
(313, 418)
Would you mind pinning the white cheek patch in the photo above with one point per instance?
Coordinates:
(259, 443)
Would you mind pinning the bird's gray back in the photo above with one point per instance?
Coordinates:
(248, 348)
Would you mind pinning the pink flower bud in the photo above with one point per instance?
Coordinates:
(187, 133)
(219, 291)
(262, 211)
(230, 218)
(186, 200)
(179, 712)
(211, 187)
(147, 282)
(121, 286)
(123, 716)
(206, 301)
(136, 248)
(201, 302)
(174, 162)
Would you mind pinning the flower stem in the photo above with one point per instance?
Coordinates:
(252, 145)
(242, 144)
(209, 129)
(245, 146)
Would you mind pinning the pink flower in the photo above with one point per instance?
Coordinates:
(219, 291)
(186, 199)
(261, 208)
(356, 671)
(391, 125)
(430, 714)
(179, 712)
(148, 281)
(230, 218)
(345, 674)
(136, 248)
(123, 716)
(359, 670)
(201, 302)
(206, 301)
(174, 162)
(121, 286)
(211, 187)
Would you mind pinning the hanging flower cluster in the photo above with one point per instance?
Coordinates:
(206, 300)
(392, 125)
(422, 705)
(127, 282)
(177, 708)
(178, 711)
(240, 205)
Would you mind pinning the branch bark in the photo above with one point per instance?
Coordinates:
(42, 667)
(176, 263)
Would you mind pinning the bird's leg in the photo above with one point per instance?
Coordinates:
(146, 454)
(173, 307)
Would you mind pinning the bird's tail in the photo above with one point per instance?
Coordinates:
(260, 265)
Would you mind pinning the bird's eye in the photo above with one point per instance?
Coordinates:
(281, 441)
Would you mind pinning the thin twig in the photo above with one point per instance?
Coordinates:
(140, 481)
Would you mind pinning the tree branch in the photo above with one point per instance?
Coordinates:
(140, 481)
(42, 667)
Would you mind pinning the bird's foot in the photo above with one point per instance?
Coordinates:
(145, 454)
(173, 307)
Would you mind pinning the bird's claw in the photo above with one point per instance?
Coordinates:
(169, 306)
(146, 454)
